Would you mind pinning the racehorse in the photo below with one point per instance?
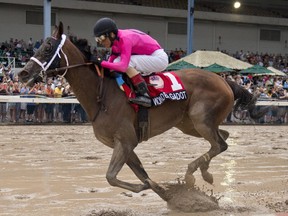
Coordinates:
(210, 100)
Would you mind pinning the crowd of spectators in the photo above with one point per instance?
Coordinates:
(39, 112)
(22, 51)
(277, 61)
(268, 87)
(176, 54)
(19, 49)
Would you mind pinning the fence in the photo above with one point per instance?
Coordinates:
(278, 111)
(40, 109)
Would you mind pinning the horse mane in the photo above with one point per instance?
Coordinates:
(82, 45)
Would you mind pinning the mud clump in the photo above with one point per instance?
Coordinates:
(189, 200)
(110, 212)
(278, 206)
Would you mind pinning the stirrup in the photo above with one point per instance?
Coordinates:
(142, 101)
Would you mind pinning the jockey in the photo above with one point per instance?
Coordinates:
(133, 52)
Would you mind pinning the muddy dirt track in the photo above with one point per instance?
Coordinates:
(60, 170)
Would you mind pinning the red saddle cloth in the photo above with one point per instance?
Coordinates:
(162, 86)
(165, 86)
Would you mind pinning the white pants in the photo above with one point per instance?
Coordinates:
(147, 64)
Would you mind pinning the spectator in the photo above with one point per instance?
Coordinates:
(238, 79)
(31, 106)
(49, 107)
(2, 74)
(67, 108)
(13, 89)
(30, 44)
(81, 113)
(24, 90)
(3, 105)
(36, 46)
(58, 107)
(285, 84)
(40, 107)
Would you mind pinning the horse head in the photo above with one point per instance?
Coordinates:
(46, 57)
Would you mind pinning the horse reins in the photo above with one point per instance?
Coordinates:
(51, 71)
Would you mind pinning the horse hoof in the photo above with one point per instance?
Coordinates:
(208, 177)
(158, 189)
(190, 181)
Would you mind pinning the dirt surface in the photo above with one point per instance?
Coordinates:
(60, 170)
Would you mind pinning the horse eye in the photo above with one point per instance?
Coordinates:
(48, 47)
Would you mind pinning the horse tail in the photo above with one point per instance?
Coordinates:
(246, 101)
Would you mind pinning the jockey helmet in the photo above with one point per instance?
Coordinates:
(104, 26)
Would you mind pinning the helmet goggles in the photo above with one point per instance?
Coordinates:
(100, 39)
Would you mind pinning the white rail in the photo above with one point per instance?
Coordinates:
(36, 99)
(43, 99)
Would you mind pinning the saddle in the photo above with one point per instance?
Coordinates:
(162, 86)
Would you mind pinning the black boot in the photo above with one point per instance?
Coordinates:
(142, 96)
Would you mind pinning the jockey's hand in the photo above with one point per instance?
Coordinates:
(97, 61)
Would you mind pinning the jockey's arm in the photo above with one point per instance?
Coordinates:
(125, 55)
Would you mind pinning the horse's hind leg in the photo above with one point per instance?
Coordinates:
(218, 145)
(205, 165)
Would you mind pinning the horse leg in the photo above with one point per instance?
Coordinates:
(136, 166)
(205, 165)
(218, 145)
(225, 134)
(119, 157)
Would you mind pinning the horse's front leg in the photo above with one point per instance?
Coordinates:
(121, 153)
(136, 166)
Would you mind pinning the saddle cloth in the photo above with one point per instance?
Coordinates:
(165, 86)
(162, 86)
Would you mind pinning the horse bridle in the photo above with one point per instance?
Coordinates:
(46, 65)
(46, 71)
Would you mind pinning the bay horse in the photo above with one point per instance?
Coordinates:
(114, 121)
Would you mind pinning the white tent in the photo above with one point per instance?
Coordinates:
(206, 58)
(276, 72)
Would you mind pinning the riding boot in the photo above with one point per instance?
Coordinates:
(142, 97)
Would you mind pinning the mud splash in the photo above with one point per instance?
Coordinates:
(190, 200)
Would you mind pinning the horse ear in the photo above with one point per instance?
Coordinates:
(58, 30)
